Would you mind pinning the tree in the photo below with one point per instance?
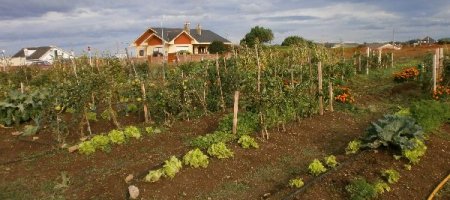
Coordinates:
(217, 47)
(296, 41)
(256, 35)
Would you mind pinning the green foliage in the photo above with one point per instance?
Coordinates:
(247, 123)
(101, 142)
(413, 155)
(393, 130)
(217, 47)
(296, 41)
(29, 130)
(196, 158)
(117, 137)
(132, 132)
(430, 114)
(296, 183)
(91, 116)
(248, 142)
(257, 35)
(330, 161)
(154, 175)
(391, 175)
(404, 112)
(220, 150)
(360, 189)
(316, 167)
(86, 148)
(203, 142)
(17, 107)
(353, 147)
(172, 167)
(381, 187)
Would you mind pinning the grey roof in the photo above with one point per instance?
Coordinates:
(39, 52)
(428, 38)
(206, 36)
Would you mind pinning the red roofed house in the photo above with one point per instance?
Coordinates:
(157, 41)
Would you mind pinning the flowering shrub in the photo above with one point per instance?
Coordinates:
(441, 92)
(344, 95)
(406, 74)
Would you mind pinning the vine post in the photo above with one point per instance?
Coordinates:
(367, 62)
(392, 59)
(379, 56)
(319, 71)
(144, 99)
(359, 62)
(330, 88)
(22, 87)
(219, 81)
(235, 111)
(435, 64)
(441, 61)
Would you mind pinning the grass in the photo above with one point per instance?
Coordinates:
(226, 190)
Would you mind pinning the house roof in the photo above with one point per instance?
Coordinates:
(205, 37)
(39, 52)
(428, 38)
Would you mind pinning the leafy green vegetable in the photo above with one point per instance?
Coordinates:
(172, 167)
(132, 132)
(393, 130)
(91, 116)
(353, 147)
(247, 123)
(381, 187)
(154, 175)
(296, 183)
(247, 142)
(117, 137)
(330, 161)
(220, 150)
(196, 158)
(316, 167)
(101, 142)
(203, 142)
(413, 155)
(86, 148)
(391, 175)
(360, 189)
(30, 130)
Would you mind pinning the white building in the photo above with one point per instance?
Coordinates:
(45, 55)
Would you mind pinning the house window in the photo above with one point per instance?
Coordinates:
(202, 50)
(158, 51)
(141, 52)
(182, 48)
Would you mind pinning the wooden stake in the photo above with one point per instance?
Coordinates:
(379, 56)
(392, 59)
(330, 88)
(434, 71)
(319, 70)
(22, 88)
(359, 62)
(258, 87)
(368, 57)
(235, 111)
(144, 97)
(219, 82)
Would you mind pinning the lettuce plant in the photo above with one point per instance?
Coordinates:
(172, 167)
(203, 142)
(101, 142)
(86, 148)
(220, 150)
(132, 132)
(247, 142)
(196, 158)
(117, 137)
(153, 175)
(330, 161)
(360, 189)
(381, 187)
(413, 155)
(296, 183)
(316, 168)
(353, 147)
(391, 175)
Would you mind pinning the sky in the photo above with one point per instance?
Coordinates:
(111, 25)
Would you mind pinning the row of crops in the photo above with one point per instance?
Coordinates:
(279, 85)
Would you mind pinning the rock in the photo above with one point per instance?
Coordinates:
(16, 133)
(133, 191)
(73, 148)
(63, 146)
(35, 138)
(129, 178)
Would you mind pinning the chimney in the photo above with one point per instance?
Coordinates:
(199, 29)
(186, 27)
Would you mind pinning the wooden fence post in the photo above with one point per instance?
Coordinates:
(235, 111)
(368, 57)
(359, 62)
(319, 70)
(219, 82)
(392, 59)
(330, 88)
(144, 100)
(435, 57)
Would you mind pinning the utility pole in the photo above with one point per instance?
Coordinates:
(3, 60)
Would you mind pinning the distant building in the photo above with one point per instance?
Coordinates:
(44, 55)
(382, 46)
(427, 40)
(158, 41)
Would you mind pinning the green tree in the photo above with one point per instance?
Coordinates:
(257, 34)
(217, 47)
(296, 41)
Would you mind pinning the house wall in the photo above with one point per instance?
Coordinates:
(153, 40)
(61, 54)
(183, 39)
(18, 61)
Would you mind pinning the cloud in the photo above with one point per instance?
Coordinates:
(107, 25)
